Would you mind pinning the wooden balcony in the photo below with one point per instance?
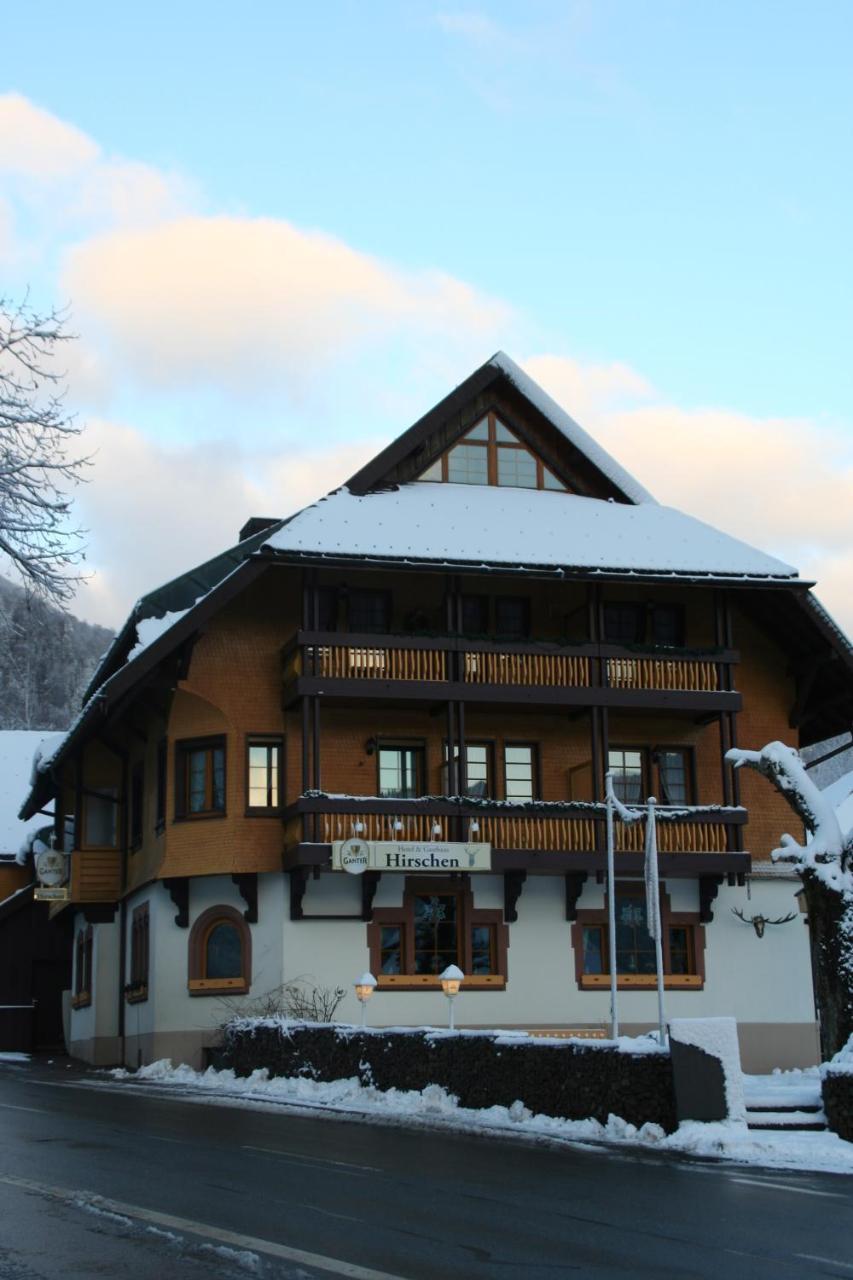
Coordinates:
(413, 668)
(543, 837)
(95, 876)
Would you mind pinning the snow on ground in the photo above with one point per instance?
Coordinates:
(14, 1057)
(434, 1107)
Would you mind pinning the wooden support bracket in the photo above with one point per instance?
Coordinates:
(247, 887)
(298, 885)
(709, 887)
(575, 881)
(513, 884)
(369, 885)
(178, 889)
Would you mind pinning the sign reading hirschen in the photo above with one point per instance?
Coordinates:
(356, 856)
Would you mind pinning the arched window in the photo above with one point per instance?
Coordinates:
(220, 953)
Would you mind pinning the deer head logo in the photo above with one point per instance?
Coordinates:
(760, 923)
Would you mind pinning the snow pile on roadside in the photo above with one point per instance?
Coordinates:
(434, 1107)
(718, 1038)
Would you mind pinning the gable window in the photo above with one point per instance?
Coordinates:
(327, 608)
(675, 774)
(200, 778)
(627, 769)
(520, 771)
(492, 454)
(401, 771)
(100, 818)
(264, 774)
(369, 611)
(682, 943)
(137, 797)
(475, 615)
(668, 625)
(436, 926)
(137, 989)
(220, 953)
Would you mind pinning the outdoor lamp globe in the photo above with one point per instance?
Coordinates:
(364, 987)
(451, 980)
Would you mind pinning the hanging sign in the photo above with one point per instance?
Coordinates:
(357, 855)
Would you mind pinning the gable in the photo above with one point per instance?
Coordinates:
(501, 392)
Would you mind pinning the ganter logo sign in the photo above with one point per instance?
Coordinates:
(358, 855)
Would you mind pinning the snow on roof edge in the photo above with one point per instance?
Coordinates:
(572, 430)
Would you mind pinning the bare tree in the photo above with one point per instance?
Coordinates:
(825, 865)
(38, 463)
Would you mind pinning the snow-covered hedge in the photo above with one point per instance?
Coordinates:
(574, 1079)
(837, 1090)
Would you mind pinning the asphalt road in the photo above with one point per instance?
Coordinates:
(98, 1179)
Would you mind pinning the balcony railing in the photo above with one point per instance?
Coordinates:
(471, 668)
(555, 828)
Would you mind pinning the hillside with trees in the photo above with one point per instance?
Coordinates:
(47, 658)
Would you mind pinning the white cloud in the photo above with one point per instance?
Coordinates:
(782, 484)
(36, 144)
(155, 511)
(229, 301)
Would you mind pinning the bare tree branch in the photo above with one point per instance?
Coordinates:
(38, 462)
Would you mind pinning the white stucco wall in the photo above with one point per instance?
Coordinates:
(97, 1023)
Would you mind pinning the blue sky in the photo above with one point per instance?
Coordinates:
(656, 195)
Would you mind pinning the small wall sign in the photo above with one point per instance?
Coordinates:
(357, 856)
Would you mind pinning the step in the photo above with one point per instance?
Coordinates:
(811, 1120)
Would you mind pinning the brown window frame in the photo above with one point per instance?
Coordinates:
(94, 793)
(536, 778)
(140, 953)
(670, 919)
(491, 776)
(137, 805)
(161, 785)
(416, 745)
(265, 740)
(388, 605)
(492, 445)
(651, 776)
(184, 748)
(198, 983)
(468, 916)
(84, 945)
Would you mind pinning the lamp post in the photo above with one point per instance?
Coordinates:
(451, 981)
(364, 987)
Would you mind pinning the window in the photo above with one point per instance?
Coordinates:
(220, 953)
(100, 818)
(137, 989)
(665, 772)
(682, 943)
(624, 623)
(437, 925)
(401, 771)
(84, 946)
(627, 769)
(520, 772)
(475, 615)
(491, 454)
(512, 617)
(200, 778)
(369, 611)
(668, 625)
(327, 608)
(137, 797)
(478, 770)
(162, 764)
(264, 774)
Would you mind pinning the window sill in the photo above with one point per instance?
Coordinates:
(199, 817)
(82, 1001)
(217, 986)
(426, 982)
(642, 982)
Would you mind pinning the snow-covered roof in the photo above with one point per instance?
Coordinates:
(484, 525)
(572, 430)
(17, 748)
(840, 796)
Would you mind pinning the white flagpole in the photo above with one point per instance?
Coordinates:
(653, 909)
(611, 908)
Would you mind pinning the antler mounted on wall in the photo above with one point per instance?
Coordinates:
(760, 923)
